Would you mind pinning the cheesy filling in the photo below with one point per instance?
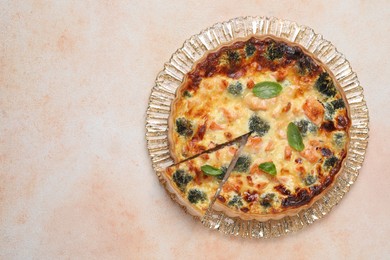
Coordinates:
(218, 103)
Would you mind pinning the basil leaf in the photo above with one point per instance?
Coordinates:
(210, 170)
(267, 89)
(268, 167)
(294, 137)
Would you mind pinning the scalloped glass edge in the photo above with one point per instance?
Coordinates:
(181, 62)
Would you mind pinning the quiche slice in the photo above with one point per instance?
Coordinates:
(195, 181)
(292, 105)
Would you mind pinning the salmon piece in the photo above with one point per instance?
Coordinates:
(284, 171)
(254, 103)
(232, 150)
(280, 75)
(250, 84)
(218, 154)
(250, 181)
(298, 92)
(224, 84)
(228, 135)
(314, 143)
(215, 126)
(255, 169)
(237, 188)
(205, 156)
(284, 179)
(287, 153)
(314, 110)
(310, 154)
(211, 145)
(270, 146)
(228, 115)
(301, 169)
(255, 142)
(261, 186)
(287, 107)
(227, 187)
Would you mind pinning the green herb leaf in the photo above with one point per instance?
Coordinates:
(268, 167)
(294, 137)
(267, 89)
(210, 170)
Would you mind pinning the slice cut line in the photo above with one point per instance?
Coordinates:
(216, 148)
(232, 164)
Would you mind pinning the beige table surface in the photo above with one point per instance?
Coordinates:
(75, 177)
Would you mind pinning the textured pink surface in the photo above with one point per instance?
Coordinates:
(75, 177)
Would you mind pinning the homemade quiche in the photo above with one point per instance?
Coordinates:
(290, 104)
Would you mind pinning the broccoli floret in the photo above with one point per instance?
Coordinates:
(274, 51)
(235, 88)
(250, 49)
(330, 162)
(267, 199)
(242, 164)
(292, 52)
(306, 65)
(181, 178)
(236, 201)
(329, 111)
(224, 170)
(310, 179)
(338, 103)
(305, 126)
(339, 138)
(233, 56)
(186, 93)
(330, 108)
(325, 85)
(184, 127)
(326, 152)
(195, 195)
(258, 125)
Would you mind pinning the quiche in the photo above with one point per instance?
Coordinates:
(291, 105)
